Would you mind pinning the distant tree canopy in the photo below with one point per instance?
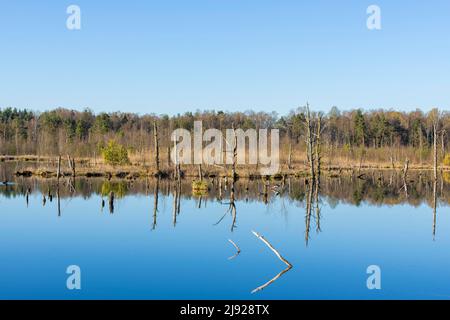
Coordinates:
(62, 131)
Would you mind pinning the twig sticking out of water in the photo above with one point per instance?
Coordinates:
(237, 248)
(260, 237)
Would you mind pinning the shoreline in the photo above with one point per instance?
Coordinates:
(46, 167)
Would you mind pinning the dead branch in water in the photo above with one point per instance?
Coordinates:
(237, 248)
(58, 200)
(220, 220)
(289, 265)
(268, 283)
(233, 215)
(434, 208)
(260, 237)
(155, 203)
(308, 212)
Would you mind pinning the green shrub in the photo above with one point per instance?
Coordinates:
(447, 160)
(115, 154)
(447, 177)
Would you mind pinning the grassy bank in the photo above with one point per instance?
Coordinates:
(46, 167)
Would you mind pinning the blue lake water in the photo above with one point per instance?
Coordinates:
(124, 255)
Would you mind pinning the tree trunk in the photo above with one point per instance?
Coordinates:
(71, 162)
(234, 174)
(155, 134)
(58, 173)
(290, 154)
(168, 155)
(200, 173)
(443, 143)
(318, 146)
(309, 142)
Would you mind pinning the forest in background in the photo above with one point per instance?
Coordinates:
(383, 137)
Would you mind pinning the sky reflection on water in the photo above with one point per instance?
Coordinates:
(124, 255)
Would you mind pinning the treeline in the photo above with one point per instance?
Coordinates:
(377, 135)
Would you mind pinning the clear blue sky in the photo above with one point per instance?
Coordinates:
(173, 56)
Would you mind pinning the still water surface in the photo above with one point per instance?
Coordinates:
(182, 249)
